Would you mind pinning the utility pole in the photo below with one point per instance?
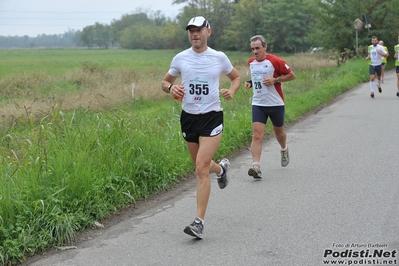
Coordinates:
(358, 26)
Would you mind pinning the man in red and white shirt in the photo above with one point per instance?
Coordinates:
(267, 73)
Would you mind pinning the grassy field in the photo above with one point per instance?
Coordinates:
(77, 144)
(32, 82)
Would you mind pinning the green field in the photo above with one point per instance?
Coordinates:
(79, 157)
(59, 61)
(56, 62)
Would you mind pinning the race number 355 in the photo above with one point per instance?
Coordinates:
(199, 89)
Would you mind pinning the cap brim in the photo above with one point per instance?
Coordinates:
(200, 27)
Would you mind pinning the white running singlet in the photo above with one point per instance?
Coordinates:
(375, 57)
(271, 66)
(200, 74)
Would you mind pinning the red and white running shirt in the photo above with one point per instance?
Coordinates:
(271, 66)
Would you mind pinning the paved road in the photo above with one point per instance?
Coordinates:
(339, 197)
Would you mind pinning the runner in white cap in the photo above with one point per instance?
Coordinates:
(202, 115)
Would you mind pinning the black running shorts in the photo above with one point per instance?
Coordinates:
(205, 125)
(375, 70)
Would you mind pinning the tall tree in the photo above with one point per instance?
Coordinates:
(218, 12)
(245, 23)
(96, 35)
(128, 20)
(336, 23)
(169, 34)
(158, 18)
(88, 36)
(286, 24)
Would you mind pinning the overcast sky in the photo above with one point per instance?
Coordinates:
(33, 17)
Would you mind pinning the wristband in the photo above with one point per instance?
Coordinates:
(170, 86)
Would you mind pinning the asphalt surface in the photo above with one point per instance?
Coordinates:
(338, 199)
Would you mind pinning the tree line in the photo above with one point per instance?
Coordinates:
(289, 26)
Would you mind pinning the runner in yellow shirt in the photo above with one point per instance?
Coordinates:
(396, 49)
(384, 60)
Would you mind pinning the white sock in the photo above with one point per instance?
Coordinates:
(256, 164)
(221, 172)
(202, 221)
(286, 147)
(371, 86)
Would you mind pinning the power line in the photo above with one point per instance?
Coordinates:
(81, 12)
(52, 18)
(58, 12)
(46, 25)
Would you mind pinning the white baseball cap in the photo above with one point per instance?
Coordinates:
(199, 22)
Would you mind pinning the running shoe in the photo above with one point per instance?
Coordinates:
(195, 229)
(372, 95)
(223, 180)
(255, 172)
(285, 158)
(397, 94)
(379, 89)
